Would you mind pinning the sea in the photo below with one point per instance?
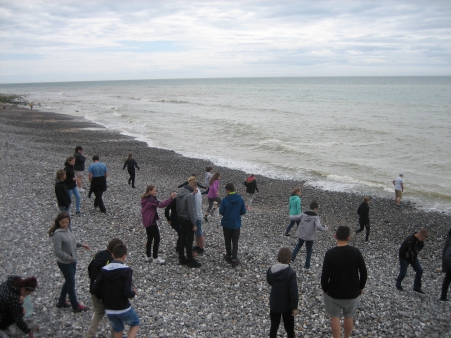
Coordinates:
(351, 134)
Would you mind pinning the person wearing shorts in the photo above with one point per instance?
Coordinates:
(343, 279)
(398, 182)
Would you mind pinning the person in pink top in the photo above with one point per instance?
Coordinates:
(149, 205)
(213, 195)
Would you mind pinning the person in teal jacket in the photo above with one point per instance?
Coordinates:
(231, 208)
(294, 206)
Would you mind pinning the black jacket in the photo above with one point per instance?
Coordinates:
(113, 286)
(10, 308)
(79, 162)
(364, 213)
(70, 175)
(284, 292)
(446, 258)
(251, 186)
(100, 259)
(130, 165)
(410, 248)
(170, 212)
(62, 195)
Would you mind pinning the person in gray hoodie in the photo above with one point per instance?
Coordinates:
(284, 298)
(306, 232)
(65, 249)
(446, 267)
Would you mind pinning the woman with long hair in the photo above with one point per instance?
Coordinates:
(213, 195)
(65, 249)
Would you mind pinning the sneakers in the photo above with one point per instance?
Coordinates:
(183, 261)
(61, 305)
(235, 263)
(148, 259)
(206, 218)
(285, 234)
(399, 288)
(227, 258)
(196, 248)
(194, 264)
(158, 260)
(80, 308)
(78, 213)
(443, 300)
(421, 292)
(200, 252)
(81, 190)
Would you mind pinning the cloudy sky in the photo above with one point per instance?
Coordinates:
(46, 41)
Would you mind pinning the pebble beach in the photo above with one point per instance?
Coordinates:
(215, 300)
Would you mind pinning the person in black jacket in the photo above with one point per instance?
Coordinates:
(100, 259)
(114, 287)
(170, 212)
(130, 163)
(79, 166)
(284, 298)
(408, 253)
(71, 182)
(62, 195)
(446, 267)
(251, 187)
(364, 217)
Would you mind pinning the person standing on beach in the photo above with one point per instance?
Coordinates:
(149, 205)
(62, 195)
(71, 182)
(294, 207)
(408, 254)
(186, 209)
(200, 242)
(446, 268)
(364, 217)
(398, 182)
(65, 249)
(213, 195)
(208, 175)
(343, 279)
(251, 187)
(98, 173)
(284, 298)
(231, 209)
(306, 232)
(130, 163)
(170, 212)
(79, 166)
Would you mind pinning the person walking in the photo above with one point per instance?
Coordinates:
(170, 212)
(65, 249)
(251, 188)
(294, 208)
(398, 182)
(310, 222)
(71, 182)
(284, 298)
(208, 175)
(131, 164)
(79, 166)
(231, 209)
(446, 268)
(343, 279)
(213, 195)
(364, 217)
(62, 195)
(98, 174)
(408, 254)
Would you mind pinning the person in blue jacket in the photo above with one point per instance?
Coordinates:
(231, 208)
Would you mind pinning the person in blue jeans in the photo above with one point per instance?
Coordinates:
(306, 232)
(408, 254)
(65, 249)
(71, 183)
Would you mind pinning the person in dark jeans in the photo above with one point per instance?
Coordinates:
(232, 208)
(408, 253)
(98, 173)
(170, 212)
(364, 217)
(130, 163)
(446, 267)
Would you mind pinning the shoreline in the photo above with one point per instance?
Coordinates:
(232, 301)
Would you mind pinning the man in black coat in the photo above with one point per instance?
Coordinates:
(364, 217)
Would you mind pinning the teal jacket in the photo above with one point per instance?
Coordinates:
(294, 205)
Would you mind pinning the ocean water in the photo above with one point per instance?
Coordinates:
(337, 133)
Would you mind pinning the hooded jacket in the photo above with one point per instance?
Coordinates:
(70, 175)
(65, 246)
(284, 292)
(114, 287)
(232, 208)
(149, 207)
(446, 258)
(364, 213)
(251, 185)
(100, 259)
(294, 205)
(309, 224)
(62, 195)
(410, 248)
(10, 308)
(79, 162)
(170, 212)
(186, 205)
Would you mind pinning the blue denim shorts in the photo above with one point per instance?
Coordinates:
(117, 321)
(334, 306)
(199, 228)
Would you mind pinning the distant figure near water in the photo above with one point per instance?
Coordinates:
(398, 182)
(364, 217)
(251, 187)
(130, 163)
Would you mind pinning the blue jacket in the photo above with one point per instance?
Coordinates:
(232, 208)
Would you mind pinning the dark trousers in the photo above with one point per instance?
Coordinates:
(288, 323)
(186, 240)
(98, 202)
(404, 264)
(153, 234)
(7, 321)
(68, 271)
(367, 231)
(231, 237)
(132, 177)
(177, 228)
(445, 285)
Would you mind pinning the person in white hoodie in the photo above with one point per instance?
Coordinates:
(306, 232)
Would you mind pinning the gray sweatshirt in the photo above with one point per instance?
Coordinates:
(309, 224)
(65, 246)
(186, 205)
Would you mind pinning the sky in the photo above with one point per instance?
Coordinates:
(55, 41)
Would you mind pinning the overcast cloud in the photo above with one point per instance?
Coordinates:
(45, 41)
